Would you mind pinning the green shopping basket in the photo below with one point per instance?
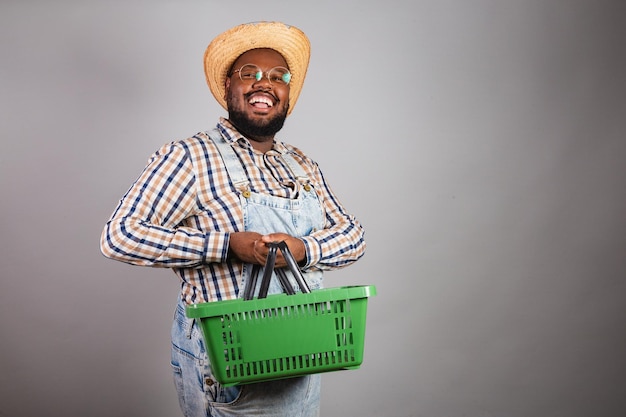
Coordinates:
(284, 335)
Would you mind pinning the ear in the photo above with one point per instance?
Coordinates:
(226, 88)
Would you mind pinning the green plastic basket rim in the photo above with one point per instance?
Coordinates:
(219, 308)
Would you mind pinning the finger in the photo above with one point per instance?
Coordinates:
(280, 261)
(260, 251)
(267, 238)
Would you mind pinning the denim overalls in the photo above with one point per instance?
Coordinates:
(198, 392)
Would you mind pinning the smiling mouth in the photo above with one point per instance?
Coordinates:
(261, 101)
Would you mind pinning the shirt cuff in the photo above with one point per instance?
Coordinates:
(313, 251)
(216, 247)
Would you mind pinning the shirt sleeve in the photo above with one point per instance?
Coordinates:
(342, 241)
(147, 226)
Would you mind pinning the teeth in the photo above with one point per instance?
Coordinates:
(260, 99)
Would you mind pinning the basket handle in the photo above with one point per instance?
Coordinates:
(293, 267)
(280, 273)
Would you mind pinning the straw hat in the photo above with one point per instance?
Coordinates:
(224, 50)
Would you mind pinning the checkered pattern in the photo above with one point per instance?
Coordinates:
(180, 211)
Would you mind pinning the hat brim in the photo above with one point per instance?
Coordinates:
(224, 50)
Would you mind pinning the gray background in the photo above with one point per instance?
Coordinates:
(481, 143)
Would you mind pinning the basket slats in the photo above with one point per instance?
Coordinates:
(284, 336)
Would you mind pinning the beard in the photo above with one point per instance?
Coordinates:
(256, 128)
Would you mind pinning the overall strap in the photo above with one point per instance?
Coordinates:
(296, 168)
(235, 169)
(231, 161)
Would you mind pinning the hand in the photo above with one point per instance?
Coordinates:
(295, 245)
(243, 246)
(251, 247)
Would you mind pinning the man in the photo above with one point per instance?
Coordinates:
(207, 207)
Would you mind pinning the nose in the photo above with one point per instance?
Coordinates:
(263, 81)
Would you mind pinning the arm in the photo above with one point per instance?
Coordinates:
(145, 227)
(341, 242)
(338, 244)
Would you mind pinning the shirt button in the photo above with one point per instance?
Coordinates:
(307, 187)
(209, 382)
(246, 194)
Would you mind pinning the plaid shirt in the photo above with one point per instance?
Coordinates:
(182, 208)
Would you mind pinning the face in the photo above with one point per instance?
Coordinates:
(257, 108)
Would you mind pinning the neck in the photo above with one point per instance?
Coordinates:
(262, 144)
